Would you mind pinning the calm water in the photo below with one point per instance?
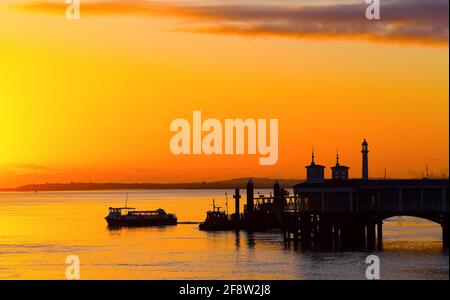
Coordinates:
(38, 231)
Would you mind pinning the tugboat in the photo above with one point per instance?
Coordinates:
(216, 220)
(128, 216)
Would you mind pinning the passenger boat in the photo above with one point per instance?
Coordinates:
(127, 216)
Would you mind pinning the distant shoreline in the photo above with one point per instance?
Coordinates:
(259, 183)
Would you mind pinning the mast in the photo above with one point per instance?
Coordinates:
(226, 203)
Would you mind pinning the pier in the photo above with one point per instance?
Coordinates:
(342, 213)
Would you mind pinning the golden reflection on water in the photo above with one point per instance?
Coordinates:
(38, 231)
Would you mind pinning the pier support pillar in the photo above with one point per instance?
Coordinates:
(344, 237)
(237, 213)
(325, 234)
(277, 203)
(380, 234)
(371, 236)
(250, 197)
(445, 233)
(305, 230)
(347, 233)
(296, 234)
(336, 238)
(359, 234)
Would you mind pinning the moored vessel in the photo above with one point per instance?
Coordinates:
(127, 216)
(217, 220)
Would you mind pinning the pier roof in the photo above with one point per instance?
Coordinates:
(328, 183)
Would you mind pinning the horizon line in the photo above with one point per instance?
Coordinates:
(180, 185)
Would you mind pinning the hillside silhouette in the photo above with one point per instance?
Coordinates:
(260, 183)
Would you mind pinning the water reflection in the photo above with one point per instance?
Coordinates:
(250, 240)
(237, 239)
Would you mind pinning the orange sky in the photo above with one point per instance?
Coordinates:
(92, 100)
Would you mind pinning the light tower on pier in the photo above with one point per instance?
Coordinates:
(365, 160)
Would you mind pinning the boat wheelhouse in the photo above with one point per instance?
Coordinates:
(217, 219)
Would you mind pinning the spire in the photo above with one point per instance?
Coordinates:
(337, 157)
(312, 157)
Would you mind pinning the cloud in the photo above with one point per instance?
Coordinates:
(24, 168)
(402, 21)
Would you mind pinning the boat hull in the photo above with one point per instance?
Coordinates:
(141, 222)
(217, 227)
